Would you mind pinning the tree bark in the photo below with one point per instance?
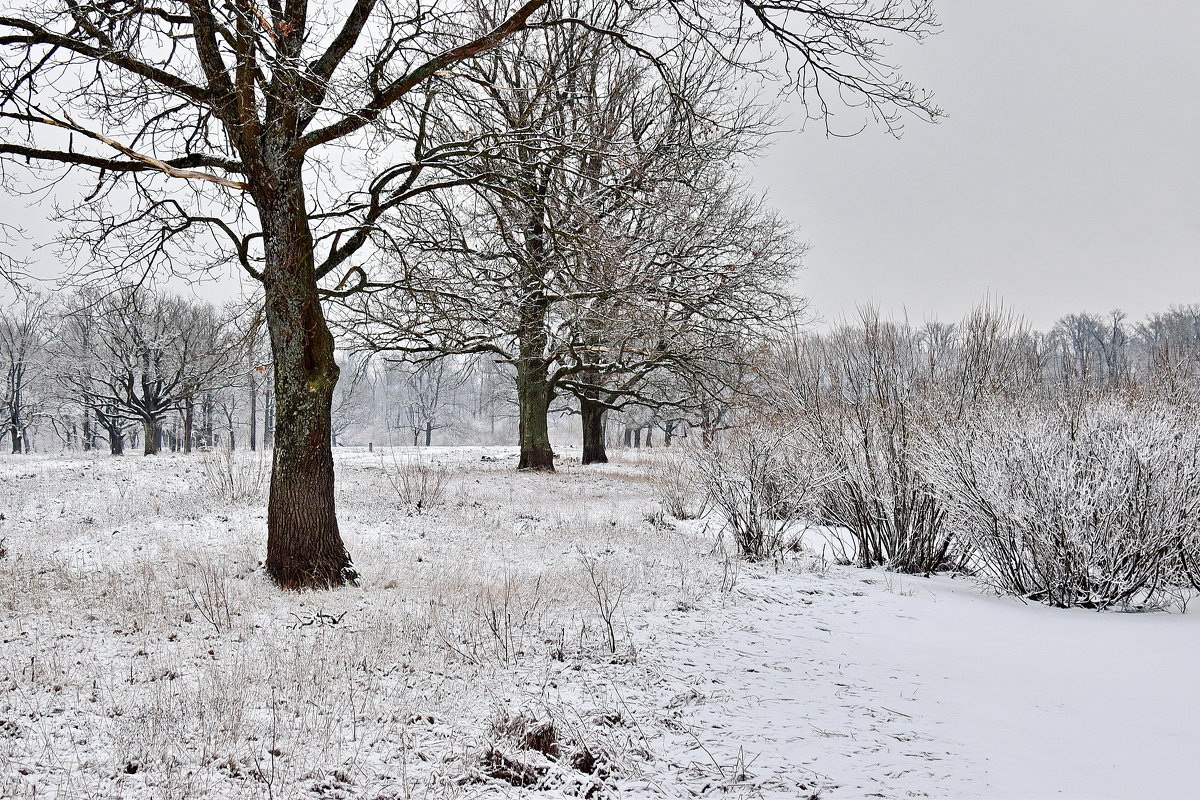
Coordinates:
(304, 545)
(428, 434)
(592, 414)
(534, 392)
(533, 399)
(150, 437)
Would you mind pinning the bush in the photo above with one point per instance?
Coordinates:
(676, 485)
(889, 509)
(758, 486)
(234, 477)
(859, 397)
(1097, 509)
(420, 484)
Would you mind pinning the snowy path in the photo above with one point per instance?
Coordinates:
(888, 686)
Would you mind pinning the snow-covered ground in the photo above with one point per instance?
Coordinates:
(143, 655)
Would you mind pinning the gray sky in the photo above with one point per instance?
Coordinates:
(1066, 177)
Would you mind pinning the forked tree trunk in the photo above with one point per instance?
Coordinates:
(304, 545)
(428, 434)
(592, 415)
(116, 437)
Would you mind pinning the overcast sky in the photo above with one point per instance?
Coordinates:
(1065, 178)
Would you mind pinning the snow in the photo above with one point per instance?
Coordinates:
(791, 680)
(894, 687)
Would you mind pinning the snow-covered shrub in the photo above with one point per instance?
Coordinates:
(860, 397)
(857, 396)
(883, 501)
(234, 477)
(420, 484)
(1094, 508)
(755, 482)
(676, 485)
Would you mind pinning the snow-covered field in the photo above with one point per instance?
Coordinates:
(549, 635)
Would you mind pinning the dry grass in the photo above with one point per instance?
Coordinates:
(145, 655)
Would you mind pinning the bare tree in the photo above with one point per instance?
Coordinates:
(605, 240)
(1168, 346)
(217, 122)
(147, 355)
(74, 353)
(23, 330)
(417, 397)
(676, 320)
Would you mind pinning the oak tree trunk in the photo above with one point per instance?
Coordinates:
(150, 437)
(533, 399)
(116, 444)
(304, 545)
(534, 391)
(592, 414)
